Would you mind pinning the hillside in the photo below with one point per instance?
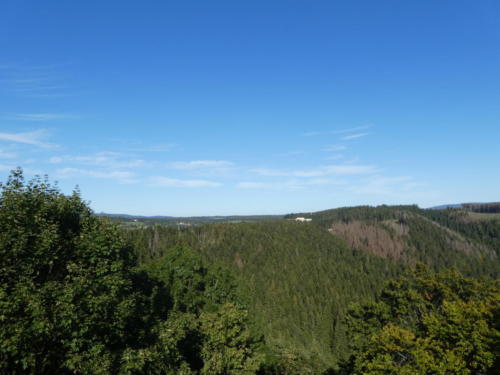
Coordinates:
(300, 279)
(440, 238)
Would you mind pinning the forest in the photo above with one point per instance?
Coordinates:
(357, 290)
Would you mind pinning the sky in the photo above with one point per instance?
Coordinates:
(189, 108)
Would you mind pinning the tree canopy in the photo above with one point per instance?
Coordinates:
(428, 323)
(73, 301)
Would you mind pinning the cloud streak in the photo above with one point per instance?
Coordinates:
(123, 177)
(383, 185)
(34, 138)
(155, 148)
(43, 116)
(290, 185)
(161, 181)
(334, 148)
(339, 131)
(35, 81)
(327, 170)
(354, 136)
(8, 155)
(200, 164)
(106, 159)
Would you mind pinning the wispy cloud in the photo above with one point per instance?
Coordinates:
(288, 185)
(6, 167)
(35, 138)
(26, 171)
(35, 81)
(106, 159)
(338, 131)
(383, 185)
(56, 160)
(342, 169)
(335, 157)
(334, 148)
(254, 185)
(161, 181)
(354, 136)
(123, 177)
(291, 153)
(43, 116)
(154, 148)
(200, 164)
(8, 154)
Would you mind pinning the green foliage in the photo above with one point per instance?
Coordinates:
(176, 349)
(486, 232)
(299, 280)
(192, 285)
(229, 342)
(366, 213)
(65, 279)
(487, 208)
(438, 238)
(73, 302)
(426, 323)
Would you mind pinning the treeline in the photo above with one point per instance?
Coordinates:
(485, 208)
(365, 213)
(139, 221)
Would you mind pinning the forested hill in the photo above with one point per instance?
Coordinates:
(302, 276)
(457, 238)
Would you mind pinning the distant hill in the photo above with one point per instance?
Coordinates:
(483, 208)
(141, 221)
(126, 216)
(439, 238)
(445, 206)
(488, 207)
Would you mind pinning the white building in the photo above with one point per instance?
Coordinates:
(303, 219)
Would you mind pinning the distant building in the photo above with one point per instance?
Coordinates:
(303, 219)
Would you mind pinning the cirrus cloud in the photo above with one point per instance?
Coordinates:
(200, 164)
(34, 138)
(161, 181)
(342, 169)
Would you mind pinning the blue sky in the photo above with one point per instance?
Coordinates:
(253, 107)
